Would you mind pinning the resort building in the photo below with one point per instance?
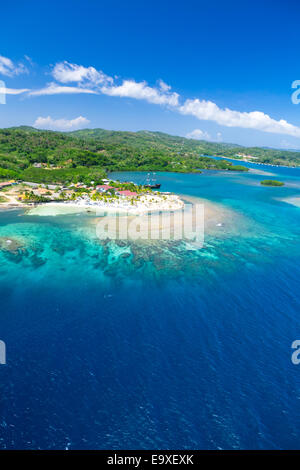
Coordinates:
(40, 191)
(104, 187)
(7, 183)
(126, 193)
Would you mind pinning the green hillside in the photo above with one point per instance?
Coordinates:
(46, 156)
(159, 140)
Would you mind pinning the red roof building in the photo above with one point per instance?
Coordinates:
(104, 187)
(127, 193)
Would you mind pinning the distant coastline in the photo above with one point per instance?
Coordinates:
(256, 163)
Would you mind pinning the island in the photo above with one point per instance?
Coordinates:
(271, 183)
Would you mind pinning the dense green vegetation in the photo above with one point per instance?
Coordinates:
(271, 183)
(8, 174)
(90, 154)
(31, 197)
(64, 175)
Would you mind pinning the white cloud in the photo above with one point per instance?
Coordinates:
(89, 80)
(92, 79)
(64, 72)
(163, 86)
(55, 89)
(29, 59)
(198, 134)
(12, 91)
(141, 91)
(61, 124)
(9, 68)
(209, 111)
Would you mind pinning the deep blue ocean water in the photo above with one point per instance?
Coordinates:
(146, 347)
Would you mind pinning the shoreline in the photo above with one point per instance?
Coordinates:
(145, 205)
(10, 206)
(258, 163)
(218, 219)
(141, 205)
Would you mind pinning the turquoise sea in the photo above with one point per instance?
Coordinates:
(135, 345)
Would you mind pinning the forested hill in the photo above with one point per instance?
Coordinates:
(144, 139)
(91, 153)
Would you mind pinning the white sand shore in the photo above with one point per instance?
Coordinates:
(295, 201)
(147, 203)
(217, 220)
(261, 172)
(212, 219)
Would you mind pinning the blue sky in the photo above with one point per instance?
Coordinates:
(215, 70)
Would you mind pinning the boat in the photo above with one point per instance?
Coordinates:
(151, 182)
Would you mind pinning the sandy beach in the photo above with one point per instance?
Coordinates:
(198, 218)
(185, 215)
(145, 204)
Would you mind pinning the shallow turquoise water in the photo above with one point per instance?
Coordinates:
(148, 345)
